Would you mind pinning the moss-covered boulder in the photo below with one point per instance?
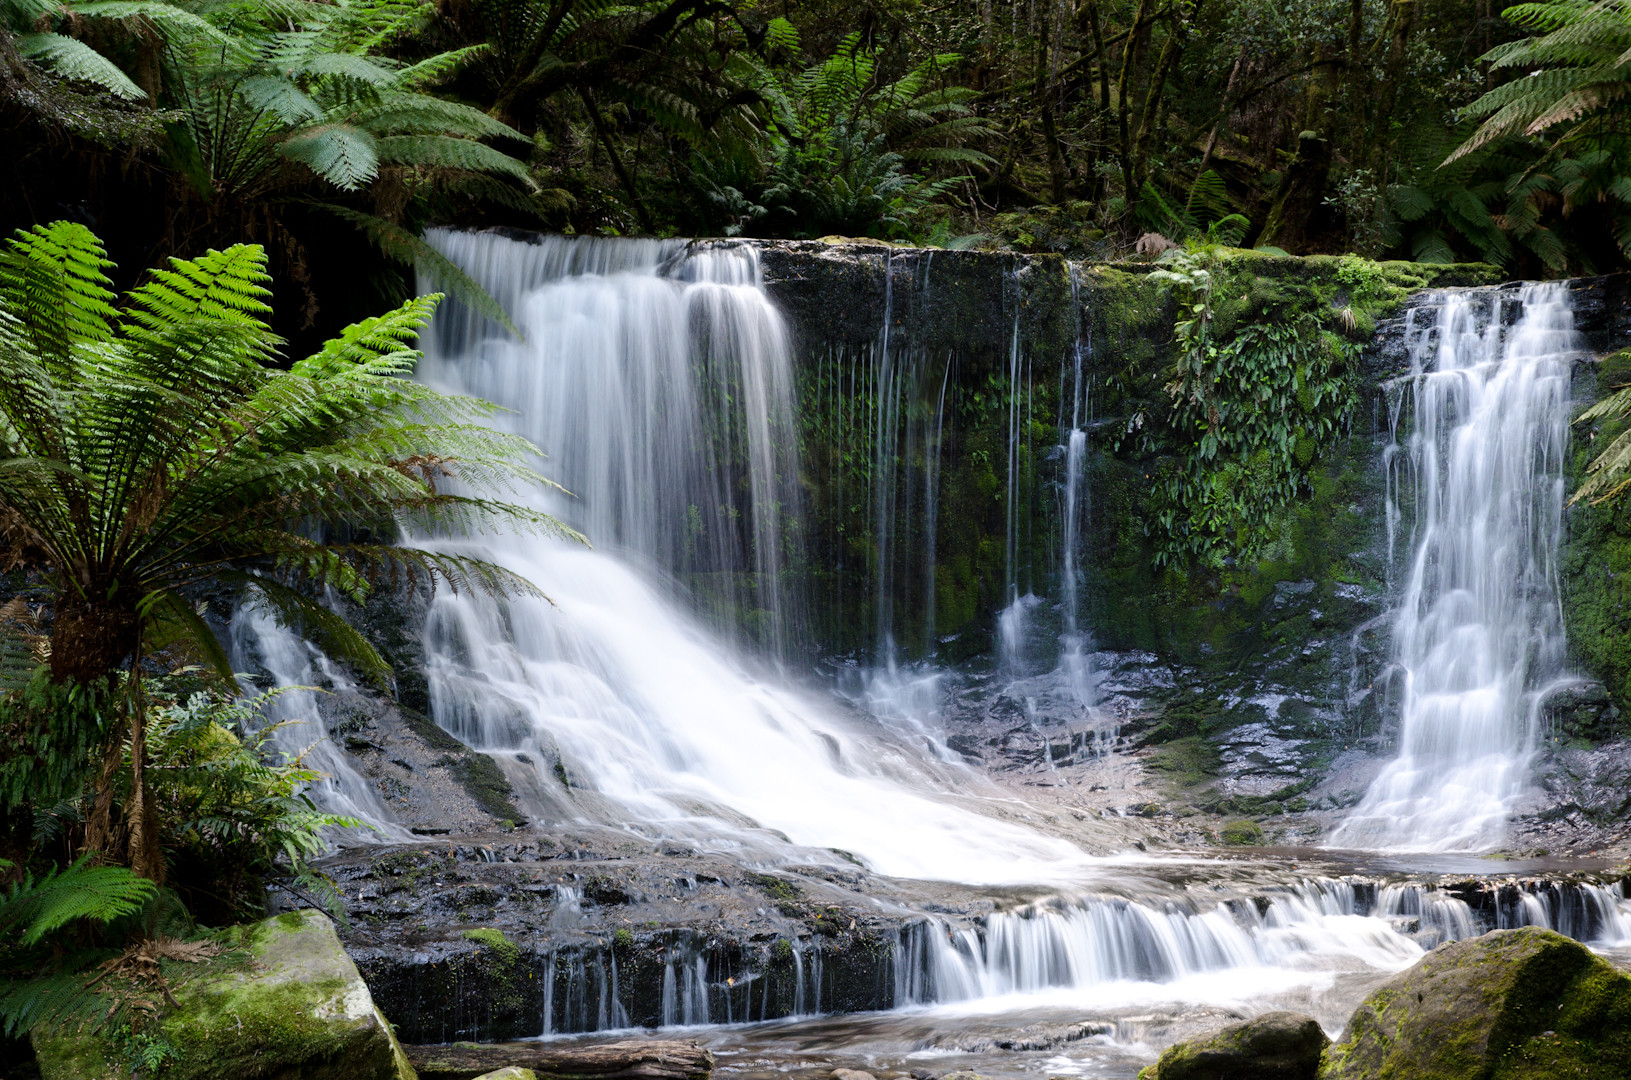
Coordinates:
(285, 1001)
(510, 1073)
(1274, 1046)
(1511, 1005)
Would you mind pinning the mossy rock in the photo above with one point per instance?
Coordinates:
(1511, 1005)
(511, 1073)
(1275, 1046)
(298, 1008)
(1242, 833)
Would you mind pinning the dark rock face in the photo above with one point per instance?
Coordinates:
(1511, 1004)
(508, 937)
(1274, 1046)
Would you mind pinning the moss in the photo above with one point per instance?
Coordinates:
(427, 729)
(300, 1009)
(1186, 762)
(494, 939)
(1241, 833)
(1596, 562)
(1513, 1005)
(776, 888)
(484, 782)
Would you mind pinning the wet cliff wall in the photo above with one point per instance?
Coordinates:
(939, 392)
(1596, 563)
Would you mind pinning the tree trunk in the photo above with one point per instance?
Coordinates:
(90, 640)
(1050, 134)
(1124, 141)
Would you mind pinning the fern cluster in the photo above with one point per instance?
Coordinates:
(837, 144)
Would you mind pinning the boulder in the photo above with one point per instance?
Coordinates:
(1274, 1046)
(284, 1000)
(1511, 1005)
(511, 1073)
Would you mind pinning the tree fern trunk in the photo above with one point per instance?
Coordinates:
(90, 640)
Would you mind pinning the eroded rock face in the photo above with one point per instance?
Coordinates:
(295, 1007)
(1510, 1005)
(1275, 1046)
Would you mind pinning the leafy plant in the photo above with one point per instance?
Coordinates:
(1609, 473)
(1248, 415)
(266, 99)
(150, 447)
(838, 144)
(231, 812)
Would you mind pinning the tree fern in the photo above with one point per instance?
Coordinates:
(151, 447)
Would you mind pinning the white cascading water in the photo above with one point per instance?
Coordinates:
(1478, 634)
(657, 380)
(301, 672)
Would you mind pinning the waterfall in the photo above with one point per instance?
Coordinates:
(1478, 633)
(258, 641)
(656, 378)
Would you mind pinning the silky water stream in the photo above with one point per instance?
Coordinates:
(656, 689)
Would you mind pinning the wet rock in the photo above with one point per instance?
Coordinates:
(297, 1008)
(1583, 711)
(1274, 1046)
(851, 1074)
(1512, 1004)
(510, 936)
(650, 1059)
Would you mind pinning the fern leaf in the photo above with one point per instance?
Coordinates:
(339, 153)
(73, 59)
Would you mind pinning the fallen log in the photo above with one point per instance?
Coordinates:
(655, 1059)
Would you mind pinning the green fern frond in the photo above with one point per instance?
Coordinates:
(73, 59)
(339, 153)
(36, 907)
(446, 152)
(408, 248)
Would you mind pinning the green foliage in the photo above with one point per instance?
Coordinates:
(49, 926)
(1250, 412)
(269, 106)
(36, 907)
(231, 812)
(56, 732)
(151, 447)
(1609, 472)
(834, 154)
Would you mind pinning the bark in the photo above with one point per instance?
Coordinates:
(90, 640)
(1050, 134)
(593, 108)
(1149, 115)
(1223, 113)
(1124, 149)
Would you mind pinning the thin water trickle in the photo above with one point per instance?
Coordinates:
(258, 642)
(1478, 632)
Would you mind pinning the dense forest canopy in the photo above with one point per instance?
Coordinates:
(334, 132)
